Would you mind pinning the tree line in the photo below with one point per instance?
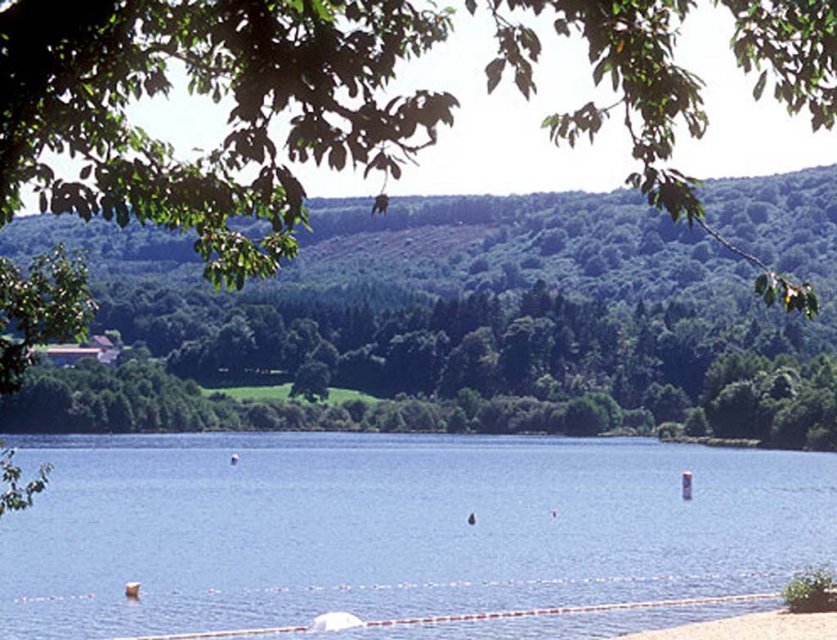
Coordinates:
(539, 362)
(776, 403)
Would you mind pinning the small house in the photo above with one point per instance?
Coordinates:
(99, 347)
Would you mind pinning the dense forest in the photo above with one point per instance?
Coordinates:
(606, 246)
(558, 313)
(547, 364)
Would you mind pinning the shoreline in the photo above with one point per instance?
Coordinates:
(771, 625)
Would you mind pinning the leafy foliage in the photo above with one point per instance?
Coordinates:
(754, 375)
(17, 496)
(52, 303)
(93, 398)
(421, 246)
(576, 366)
(780, 403)
(326, 64)
(66, 87)
(634, 43)
(811, 591)
(311, 381)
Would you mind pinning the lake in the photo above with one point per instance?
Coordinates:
(377, 525)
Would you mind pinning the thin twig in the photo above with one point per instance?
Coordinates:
(726, 243)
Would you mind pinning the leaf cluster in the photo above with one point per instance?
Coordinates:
(17, 496)
(811, 591)
(66, 88)
(633, 43)
(802, 298)
(52, 303)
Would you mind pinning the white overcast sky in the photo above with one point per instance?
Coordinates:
(497, 146)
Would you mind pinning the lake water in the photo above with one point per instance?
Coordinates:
(378, 525)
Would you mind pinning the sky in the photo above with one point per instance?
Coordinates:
(497, 146)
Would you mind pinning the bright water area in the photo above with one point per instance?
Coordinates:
(378, 525)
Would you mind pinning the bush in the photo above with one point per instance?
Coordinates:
(812, 591)
(696, 423)
(670, 430)
(639, 420)
(820, 438)
(585, 417)
(667, 402)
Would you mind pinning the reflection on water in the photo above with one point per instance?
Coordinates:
(377, 525)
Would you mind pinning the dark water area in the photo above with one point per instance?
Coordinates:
(377, 525)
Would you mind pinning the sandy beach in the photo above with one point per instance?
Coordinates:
(773, 625)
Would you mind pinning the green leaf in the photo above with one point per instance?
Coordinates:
(337, 157)
(523, 80)
(812, 304)
(600, 70)
(494, 71)
(759, 88)
(122, 215)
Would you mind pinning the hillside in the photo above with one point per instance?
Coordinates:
(610, 247)
(555, 313)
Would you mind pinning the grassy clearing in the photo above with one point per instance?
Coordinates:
(283, 392)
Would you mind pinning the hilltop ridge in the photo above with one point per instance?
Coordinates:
(606, 246)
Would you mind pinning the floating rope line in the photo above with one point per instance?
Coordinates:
(84, 596)
(476, 617)
(455, 584)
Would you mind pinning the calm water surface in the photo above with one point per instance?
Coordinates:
(377, 525)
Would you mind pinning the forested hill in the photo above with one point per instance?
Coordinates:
(557, 313)
(610, 247)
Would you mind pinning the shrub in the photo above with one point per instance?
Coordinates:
(639, 420)
(821, 438)
(813, 590)
(670, 430)
(696, 423)
(592, 414)
(667, 402)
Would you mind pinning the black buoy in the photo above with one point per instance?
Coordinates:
(472, 519)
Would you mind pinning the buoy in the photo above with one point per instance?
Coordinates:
(234, 459)
(132, 590)
(472, 519)
(687, 485)
(555, 513)
(335, 621)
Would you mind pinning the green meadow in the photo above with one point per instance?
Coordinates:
(283, 392)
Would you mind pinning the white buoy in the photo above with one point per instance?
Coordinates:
(335, 621)
(687, 485)
(132, 590)
(234, 459)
